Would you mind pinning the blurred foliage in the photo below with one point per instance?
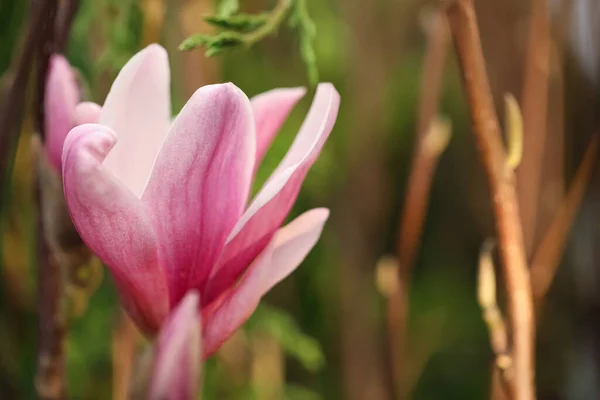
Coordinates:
(286, 331)
(241, 30)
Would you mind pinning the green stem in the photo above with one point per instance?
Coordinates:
(276, 17)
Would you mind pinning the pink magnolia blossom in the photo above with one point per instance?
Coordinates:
(62, 110)
(165, 206)
(177, 353)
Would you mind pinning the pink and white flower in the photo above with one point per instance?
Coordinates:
(165, 206)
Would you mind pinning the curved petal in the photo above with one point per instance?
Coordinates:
(62, 95)
(200, 182)
(271, 109)
(284, 253)
(112, 222)
(87, 112)
(178, 353)
(138, 109)
(272, 204)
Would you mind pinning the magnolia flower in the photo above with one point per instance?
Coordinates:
(165, 206)
(62, 107)
(177, 353)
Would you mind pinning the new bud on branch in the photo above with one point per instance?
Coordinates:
(176, 361)
(63, 107)
(166, 205)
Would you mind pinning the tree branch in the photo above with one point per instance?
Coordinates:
(463, 25)
(14, 88)
(432, 139)
(549, 253)
(51, 383)
(534, 102)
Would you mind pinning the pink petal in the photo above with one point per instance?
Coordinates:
(178, 353)
(62, 95)
(200, 182)
(290, 245)
(87, 112)
(112, 222)
(271, 109)
(272, 204)
(138, 109)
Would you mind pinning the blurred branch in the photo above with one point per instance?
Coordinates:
(433, 71)
(548, 255)
(534, 101)
(433, 135)
(64, 20)
(123, 356)
(14, 85)
(425, 160)
(51, 375)
(463, 25)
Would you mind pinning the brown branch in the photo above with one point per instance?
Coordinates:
(14, 88)
(534, 102)
(431, 140)
(64, 20)
(425, 160)
(549, 253)
(51, 383)
(433, 72)
(463, 25)
(123, 356)
(51, 374)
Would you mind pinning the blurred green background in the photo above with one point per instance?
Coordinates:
(321, 333)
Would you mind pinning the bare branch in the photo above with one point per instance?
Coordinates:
(549, 253)
(463, 25)
(534, 101)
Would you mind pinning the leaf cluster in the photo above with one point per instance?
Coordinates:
(239, 30)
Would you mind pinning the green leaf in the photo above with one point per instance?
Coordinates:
(215, 44)
(244, 30)
(239, 22)
(227, 8)
(286, 331)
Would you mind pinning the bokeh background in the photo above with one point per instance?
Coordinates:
(322, 333)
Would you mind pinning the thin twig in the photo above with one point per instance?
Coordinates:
(463, 24)
(549, 253)
(431, 140)
(51, 375)
(425, 160)
(433, 72)
(64, 20)
(534, 102)
(123, 356)
(271, 25)
(14, 88)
